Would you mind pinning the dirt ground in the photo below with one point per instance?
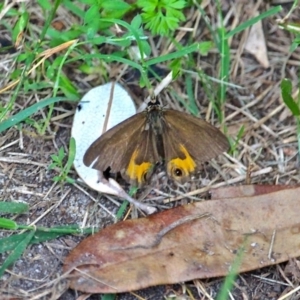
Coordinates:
(268, 145)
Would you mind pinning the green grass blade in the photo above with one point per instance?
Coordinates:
(107, 58)
(72, 153)
(17, 252)
(192, 105)
(42, 235)
(13, 207)
(286, 92)
(230, 278)
(122, 209)
(108, 297)
(22, 115)
(248, 23)
(9, 243)
(55, 232)
(174, 55)
(224, 71)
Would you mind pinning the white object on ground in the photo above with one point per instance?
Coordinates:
(256, 44)
(88, 125)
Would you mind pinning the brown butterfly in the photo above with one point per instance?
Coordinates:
(133, 147)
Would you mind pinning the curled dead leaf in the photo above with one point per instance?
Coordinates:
(199, 240)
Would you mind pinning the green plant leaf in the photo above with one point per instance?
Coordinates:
(161, 17)
(136, 22)
(8, 224)
(16, 252)
(46, 234)
(70, 180)
(72, 153)
(115, 9)
(68, 88)
(177, 4)
(108, 297)
(55, 158)
(20, 25)
(295, 44)
(73, 7)
(61, 154)
(205, 47)
(56, 178)
(13, 207)
(10, 242)
(92, 14)
(115, 5)
(45, 4)
(52, 166)
(286, 92)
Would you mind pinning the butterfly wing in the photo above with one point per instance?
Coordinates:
(140, 158)
(188, 142)
(128, 147)
(108, 149)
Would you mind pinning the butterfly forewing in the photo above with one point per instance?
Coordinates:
(108, 150)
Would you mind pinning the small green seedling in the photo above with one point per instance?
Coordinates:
(58, 163)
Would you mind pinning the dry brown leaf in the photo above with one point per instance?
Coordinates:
(256, 44)
(247, 190)
(199, 240)
(292, 269)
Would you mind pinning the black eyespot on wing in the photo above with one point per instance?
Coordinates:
(177, 172)
(79, 107)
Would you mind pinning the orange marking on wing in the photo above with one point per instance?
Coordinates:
(135, 171)
(187, 165)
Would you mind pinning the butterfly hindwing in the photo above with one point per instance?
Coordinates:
(140, 158)
(188, 142)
